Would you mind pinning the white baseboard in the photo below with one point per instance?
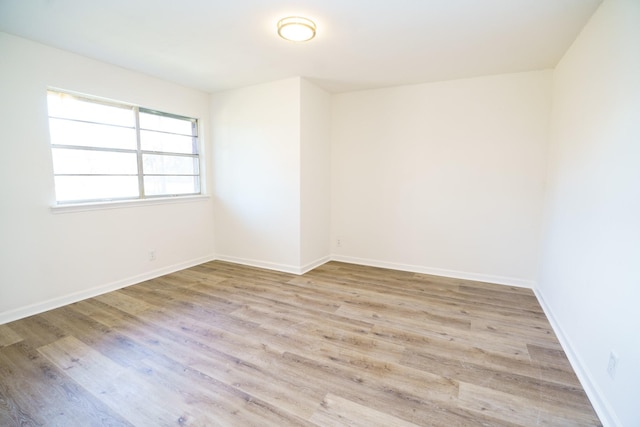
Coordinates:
(40, 307)
(317, 263)
(500, 280)
(293, 269)
(285, 268)
(600, 405)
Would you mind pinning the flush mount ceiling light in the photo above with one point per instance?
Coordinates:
(296, 29)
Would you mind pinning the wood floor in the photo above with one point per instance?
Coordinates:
(344, 345)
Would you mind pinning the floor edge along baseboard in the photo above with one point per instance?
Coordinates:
(29, 310)
(477, 277)
(41, 307)
(601, 407)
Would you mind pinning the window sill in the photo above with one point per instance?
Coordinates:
(121, 204)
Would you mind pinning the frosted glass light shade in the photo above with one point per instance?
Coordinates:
(296, 29)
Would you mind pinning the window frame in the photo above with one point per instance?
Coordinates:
(139, 152)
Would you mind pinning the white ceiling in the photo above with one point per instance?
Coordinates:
(221, 44)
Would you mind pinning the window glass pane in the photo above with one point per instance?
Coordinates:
(169, 185)
(69, 132)
(169, 165)
(67, 106)
(165, 124)
(167, 142)
(68, 161)
(83, 188)
(100, 150)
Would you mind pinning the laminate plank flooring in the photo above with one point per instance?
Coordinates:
(222, 344)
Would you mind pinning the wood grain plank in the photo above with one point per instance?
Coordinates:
(510, 407)
(421, 409)
(37, 331)
(528, 387)
(8, 336)
(336, 411)
(115, 385)
(38, 393)
(222, 344)
(210, 351)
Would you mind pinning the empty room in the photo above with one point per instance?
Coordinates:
(335, 213)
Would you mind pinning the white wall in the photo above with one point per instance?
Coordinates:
(315, 178)
(590, 276)
(51, 259)
(256, 140)
(444, 178)
(271, 173)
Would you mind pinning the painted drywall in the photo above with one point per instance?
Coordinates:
(51, 259)
(272, 175)
(444, 178)
(315, 178)
(256, 152)
(590, 275)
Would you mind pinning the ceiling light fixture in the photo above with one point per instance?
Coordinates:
(296, 29)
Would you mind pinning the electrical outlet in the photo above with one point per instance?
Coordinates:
(613, 364)
(339, 242)
(152, 255)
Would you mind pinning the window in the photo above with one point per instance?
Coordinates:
(104, 151)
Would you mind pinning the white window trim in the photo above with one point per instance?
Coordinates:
(123, 204)
(78, 206)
